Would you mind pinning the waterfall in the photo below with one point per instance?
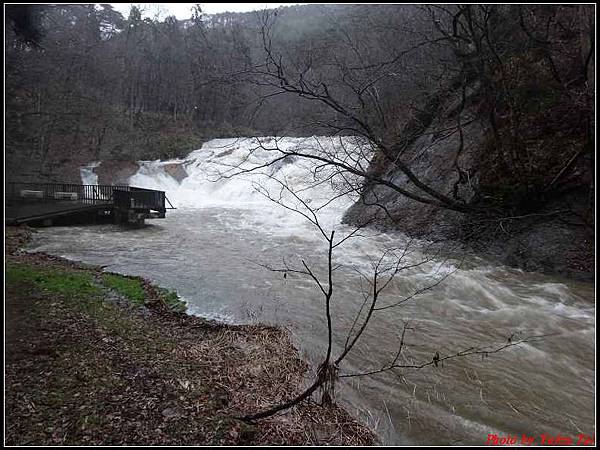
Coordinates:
(88, 176)
(210, 182)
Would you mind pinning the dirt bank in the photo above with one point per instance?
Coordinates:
(95, 358)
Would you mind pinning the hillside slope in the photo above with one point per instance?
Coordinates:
(527, 177)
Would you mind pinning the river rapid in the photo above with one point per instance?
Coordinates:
(214, 247)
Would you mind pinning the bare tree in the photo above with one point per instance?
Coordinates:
(385, 270)
(352, 97)
(471, 54)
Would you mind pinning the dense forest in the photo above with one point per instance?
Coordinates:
(82, 80)
(500, 98)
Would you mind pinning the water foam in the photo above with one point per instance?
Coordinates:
(262, 172)
(88, 176)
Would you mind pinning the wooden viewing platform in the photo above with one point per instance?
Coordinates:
(47, 202)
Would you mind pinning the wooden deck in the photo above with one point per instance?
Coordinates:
(45, 202)
(16, 214)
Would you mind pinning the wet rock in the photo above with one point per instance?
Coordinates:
(116, 171)
(176, 170)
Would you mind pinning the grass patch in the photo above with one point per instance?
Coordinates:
(129, 287)
(133, 289)
(52, 280)
(172, 300)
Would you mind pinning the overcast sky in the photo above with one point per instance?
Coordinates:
(183, 10)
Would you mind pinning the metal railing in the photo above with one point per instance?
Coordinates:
(138, 198)
(126, 197)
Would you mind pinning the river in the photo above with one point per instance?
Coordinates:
(213, 250)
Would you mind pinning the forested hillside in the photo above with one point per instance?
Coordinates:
(483, 114)
(85, 83)
(508, 142)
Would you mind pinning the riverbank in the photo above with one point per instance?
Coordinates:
(95, 358)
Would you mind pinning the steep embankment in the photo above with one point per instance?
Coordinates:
(511, 136)
(534, 212)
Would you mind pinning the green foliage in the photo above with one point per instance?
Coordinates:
(133, 289)
(172, 300)
(129, 287)
(52, 280)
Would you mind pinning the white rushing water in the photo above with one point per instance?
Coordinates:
(88, 176)
(212, 247)
(210, 181)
